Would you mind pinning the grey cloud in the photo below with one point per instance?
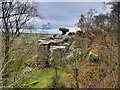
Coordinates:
(67, 12)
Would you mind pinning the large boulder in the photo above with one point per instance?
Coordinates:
(59, 40)
(64, 30)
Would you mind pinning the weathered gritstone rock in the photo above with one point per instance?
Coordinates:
(47, 47)
(43, 53)
(44, 42)
(72, 55)
(72, 46)
(58, 37)
(27, 70)
(57, 55)
(51, 49)
(64, 30)
(58, 40)
(77, 51)
(93, 57)
(75, 48)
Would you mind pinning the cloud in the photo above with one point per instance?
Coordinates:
(67, 12)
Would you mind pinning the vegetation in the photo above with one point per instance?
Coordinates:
(93, 62)
(93, 76)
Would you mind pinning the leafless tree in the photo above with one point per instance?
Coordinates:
(14, 18)
(86, 22)
(57, 62)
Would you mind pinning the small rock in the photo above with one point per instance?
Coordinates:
(27, 70)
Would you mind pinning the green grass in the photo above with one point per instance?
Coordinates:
(44, 78)
(43, 82)
(29, 39)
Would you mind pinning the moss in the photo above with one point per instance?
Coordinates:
(24, 85)
(107, 82)
(93, 53)
(35, 82)
(43, 78)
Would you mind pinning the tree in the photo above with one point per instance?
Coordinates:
(57, 62)
(81, 22)
(115, 13)
(100, 20)
(86, 22)
(15, 17)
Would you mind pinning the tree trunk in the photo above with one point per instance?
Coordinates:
(6, 46)
(0, 60)
(55, 82)
(6, 59)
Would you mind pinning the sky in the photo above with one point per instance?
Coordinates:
(64, 0)
(66, 13)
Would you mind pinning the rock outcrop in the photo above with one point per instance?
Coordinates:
(64, 30)
(48, 47)
(43, 53)
(61, 48)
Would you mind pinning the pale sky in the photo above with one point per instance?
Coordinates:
(64, 0)
(66, 13)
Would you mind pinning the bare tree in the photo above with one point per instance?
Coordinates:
(15, 17)
(86, 21)
(100, 20)
(57, 61)
(81, 22)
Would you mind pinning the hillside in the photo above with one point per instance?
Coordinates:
(87, 60)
